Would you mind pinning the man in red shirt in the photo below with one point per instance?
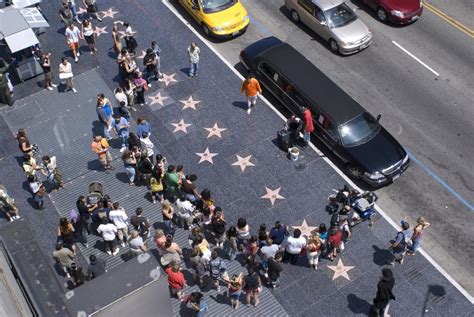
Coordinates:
(308, 124)
(176, 280)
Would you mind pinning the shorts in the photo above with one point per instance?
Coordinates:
(105, 160)
(90, 39)
(48, 76)
(235, 295)
(74, 46)
(254, 291)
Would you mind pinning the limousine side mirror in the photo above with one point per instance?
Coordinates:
(378, 117)
(323, 23)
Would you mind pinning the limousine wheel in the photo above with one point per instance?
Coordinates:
(295, 16)
(334, 46)
(354, 171)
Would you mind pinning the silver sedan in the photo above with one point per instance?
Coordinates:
(334, 21)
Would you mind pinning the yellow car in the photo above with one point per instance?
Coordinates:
(218, 18)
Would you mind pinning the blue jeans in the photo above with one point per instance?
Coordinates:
(130, 173)
(168, 227)
(73, 9)
(106, 131)
(193, 68)
(124, 139)
(306, 136)
(415, 245)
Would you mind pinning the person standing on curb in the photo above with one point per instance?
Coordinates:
(400, 245)
(384, 294)
(48, 76)
(421, 224)
(193, 52)
(252, 89)
(101, 147)
(308, 125)
(73, 34)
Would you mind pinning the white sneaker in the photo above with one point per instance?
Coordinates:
(78, 54)
(50, 88)
(123, 149)
(115, 252)
(122, 244)
(74, 90)
(149, 85)
(109, 252)
(54, 85)
(16, 217)
(68, 275)
(76, 59)
(249, 110)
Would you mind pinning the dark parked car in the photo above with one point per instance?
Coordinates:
(368, 151)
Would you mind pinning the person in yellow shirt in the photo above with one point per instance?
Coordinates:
(252, 89)
(101, 147)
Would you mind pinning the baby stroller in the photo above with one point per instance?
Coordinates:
(96, 193)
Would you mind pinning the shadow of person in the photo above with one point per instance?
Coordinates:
(358, 305)
(381, 256)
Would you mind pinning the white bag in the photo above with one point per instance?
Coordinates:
(65, 75)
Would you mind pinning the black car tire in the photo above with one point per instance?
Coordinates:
(295, 16)
(205, 30)
(354, 171)
(382, 15)
(333, 46)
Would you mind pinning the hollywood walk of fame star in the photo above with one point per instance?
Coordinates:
(215, 131)
(181, 126)
(81, 10)
(109, 13)
(243, 162)
(167, 79)
(340, 270)
(305, 229)
(273, 194)
(98, 30)
(142, 55)
(190, 103)
(206, 156)
(158, 98)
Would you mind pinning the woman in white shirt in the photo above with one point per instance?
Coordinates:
(65, 73)
(88, 34)
(243, 233)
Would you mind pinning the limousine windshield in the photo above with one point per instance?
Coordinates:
(358, 130)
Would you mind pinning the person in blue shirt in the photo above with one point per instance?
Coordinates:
(143, 126)
(278, 233)
(120, 125)
(105, 113)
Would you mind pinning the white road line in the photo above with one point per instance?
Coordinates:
(344, 176)
(415, 58)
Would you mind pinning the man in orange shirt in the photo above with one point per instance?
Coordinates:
(251, 86)
(101, 147)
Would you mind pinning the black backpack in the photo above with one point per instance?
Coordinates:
(142, 228)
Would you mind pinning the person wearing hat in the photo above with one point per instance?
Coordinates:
(400, 245)
(7, 205)
(150, 63)
(384, 294)
(421, 224)
(96, 267)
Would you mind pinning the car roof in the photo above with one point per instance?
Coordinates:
(304, 75)
(327, 4)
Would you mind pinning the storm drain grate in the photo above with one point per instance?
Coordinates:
(413, 275)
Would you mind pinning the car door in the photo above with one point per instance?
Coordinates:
(306, 13)
(193, 8)
(328, 134)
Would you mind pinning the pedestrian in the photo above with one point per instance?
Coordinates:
(308, 125)
(262, 235)
(217, 270)
(313, 250)
(24, 143)
(105, 114)
(85, 211)
(29, 165)
(119, 217)
(160, 239)
(251, 250)
(142, 127)
(156, 185)
(65, 13)
(252, 89)
(8, 206)
(176, 280)
(130, 66)
(234, 289)
(335, 243)
(48, 75)
(52, 172)
(197, 265)
(243, 233)
(92, 10)
(157, 50)
(137, 246)
(141, 86)
(274, 269)
(120, 126)
(218, 227)
(293, 247)
(185, 210)
(108, 231)
(122, 100)
(172, 252)
(130, 40)
(400, 244)
(266, 252)
(294, 125)
(73, 35)
(203, 246)
(167, 211)
(198, 304)
(64, 257)
(66, 74)
(232, 242)
(278, 233)
(87, 31)
(129, 90)
(101, 147)
(5, 93)
(72, 6)
(384, 294)
(193, 52)
(130, 165)
(421, 225)
(141, 223)
(77, 276)
(66, 233)
(252, 286)
(150, 63)
(147, 146)
(38, 190)
(117, 44)
(189, 188)
(79, 225)
(96, 267)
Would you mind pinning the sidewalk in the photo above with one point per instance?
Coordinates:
(303, 185)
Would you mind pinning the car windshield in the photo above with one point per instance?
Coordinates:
(339, 16)
(359, 130)
(210, 6)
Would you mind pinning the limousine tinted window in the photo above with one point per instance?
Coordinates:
(359, 130)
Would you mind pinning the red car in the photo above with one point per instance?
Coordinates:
(396, 11)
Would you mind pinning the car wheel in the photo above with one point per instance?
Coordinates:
(382, 14)
(295, 16)
(334, 46)
(354, 171)
(205, 30)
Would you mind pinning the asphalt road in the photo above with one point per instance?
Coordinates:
(430, 115)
